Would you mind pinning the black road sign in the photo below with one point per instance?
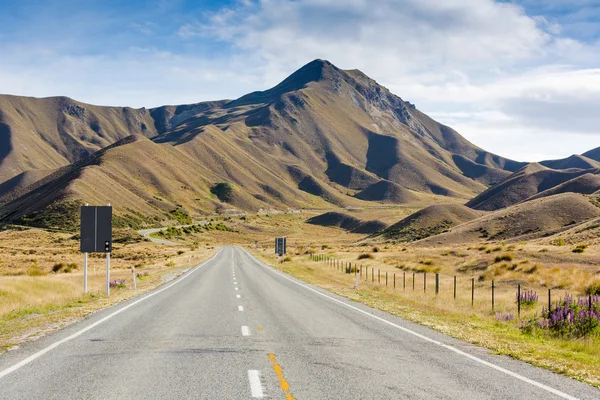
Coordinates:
(96, 229)
(280, 246)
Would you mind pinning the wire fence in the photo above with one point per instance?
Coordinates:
(507, 299)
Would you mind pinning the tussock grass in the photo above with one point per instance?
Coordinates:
(457, 317)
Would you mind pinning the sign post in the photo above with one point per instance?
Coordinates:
(96, 237)
(356, 275)
(133, 277)
(280, 247)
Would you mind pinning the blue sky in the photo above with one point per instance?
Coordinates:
(519, 78)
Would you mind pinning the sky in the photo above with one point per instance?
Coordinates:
(519, 78)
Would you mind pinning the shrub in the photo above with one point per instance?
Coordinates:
(180, 252)
(58, 267)
(73, 266)
(181, 216)
(532, 269)
(375, 249)
(505, 317)
(324, 246)
(528, 299)
(426, 262)
(593, 289)
(142, 275)
(170, 264)
(580, 248)
(35, 269)
(117, 284)
(572, 318)
(287, 259)
(504, 257)
(364, 256)
(559, 242)
(223, 191)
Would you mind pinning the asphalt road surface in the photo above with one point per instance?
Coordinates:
(233, 328)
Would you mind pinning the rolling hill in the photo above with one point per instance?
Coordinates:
(524, 184)
(528, 220)
(429, 221)
(347, 222)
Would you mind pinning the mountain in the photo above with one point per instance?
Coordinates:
(323, 136)
(48, 133)
(347, 222)
(523, 184)
(529, 220)
(429, 221)
(574, 161)
(594, 154)
(577, 174)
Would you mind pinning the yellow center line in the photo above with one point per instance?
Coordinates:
(285, 386)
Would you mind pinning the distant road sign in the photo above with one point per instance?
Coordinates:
(280, 246)
(96, 229)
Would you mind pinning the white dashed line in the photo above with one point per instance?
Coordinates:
(255, 384)
(238, 296)
(240, 308)
(245, 331)
(237, 288)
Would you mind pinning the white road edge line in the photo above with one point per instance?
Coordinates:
(240, 308)
(95, 324)
(245, 331)
(255, 383)
(446, 346)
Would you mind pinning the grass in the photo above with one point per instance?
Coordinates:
(579, 359)
(41, 279)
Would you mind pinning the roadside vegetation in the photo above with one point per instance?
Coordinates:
(565, 339)
(41, 278)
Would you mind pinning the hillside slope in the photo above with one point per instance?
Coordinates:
(429, 221)
(343, 128)
(48, 133)
(531, 219)
(347, 222)
(522, 185)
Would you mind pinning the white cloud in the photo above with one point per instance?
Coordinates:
(511, 75)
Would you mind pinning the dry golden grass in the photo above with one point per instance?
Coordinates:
(477, 324)
(31, 306)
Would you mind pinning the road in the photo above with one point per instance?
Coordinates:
(234, 328)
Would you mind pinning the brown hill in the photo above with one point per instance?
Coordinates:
(387, 192)
(594, 154)
(347, 222)
(524, 221)
(315, 139)
(53, 132)
(429, 221)
(19, 184)
(584, 184)
(520, 186)
(574, 161)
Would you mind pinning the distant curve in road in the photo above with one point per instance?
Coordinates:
(234, 328)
